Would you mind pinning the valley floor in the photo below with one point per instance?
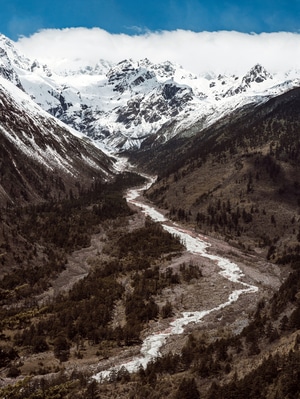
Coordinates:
(207, 292)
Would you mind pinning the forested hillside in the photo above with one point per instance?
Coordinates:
(238, 180)
(85, 277)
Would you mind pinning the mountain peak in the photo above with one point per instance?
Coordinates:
(6, 69)
(125, 103)
(257, 74)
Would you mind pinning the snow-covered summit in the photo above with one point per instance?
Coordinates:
(124, 104)
(34, 143)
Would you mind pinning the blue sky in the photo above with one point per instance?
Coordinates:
(25, 17)
(203, 36)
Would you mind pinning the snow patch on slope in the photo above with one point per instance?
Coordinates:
(123, 105)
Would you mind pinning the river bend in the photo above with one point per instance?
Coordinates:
(194, 244)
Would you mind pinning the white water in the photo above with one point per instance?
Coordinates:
(151, 346)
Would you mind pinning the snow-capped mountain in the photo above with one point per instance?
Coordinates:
(123, 105)
(40, 156)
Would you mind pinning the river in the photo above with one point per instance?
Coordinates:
(194, 244)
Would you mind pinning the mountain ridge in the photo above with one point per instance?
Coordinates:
(226, 150)
(41, 157)
(126, 104)
(250, 159)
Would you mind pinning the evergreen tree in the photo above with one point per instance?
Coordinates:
(187, 389)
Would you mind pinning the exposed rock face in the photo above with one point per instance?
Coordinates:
(134, 103)
(136, 100)
(257, 74)
(6, 69)
(40, 158)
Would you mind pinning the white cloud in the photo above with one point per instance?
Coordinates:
(202, 52)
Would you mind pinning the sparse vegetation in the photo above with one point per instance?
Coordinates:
(83, 315)
(238, 181)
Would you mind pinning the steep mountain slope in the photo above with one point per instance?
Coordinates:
(239, 178)
(226, 151)
(138, 102)
(40, 157)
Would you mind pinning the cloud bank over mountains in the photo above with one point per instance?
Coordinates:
(222, 52)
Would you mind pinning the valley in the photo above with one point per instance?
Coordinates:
(194, 304)
(114, 284)
(213, 301)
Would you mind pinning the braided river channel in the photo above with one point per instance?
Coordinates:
(194, 244)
